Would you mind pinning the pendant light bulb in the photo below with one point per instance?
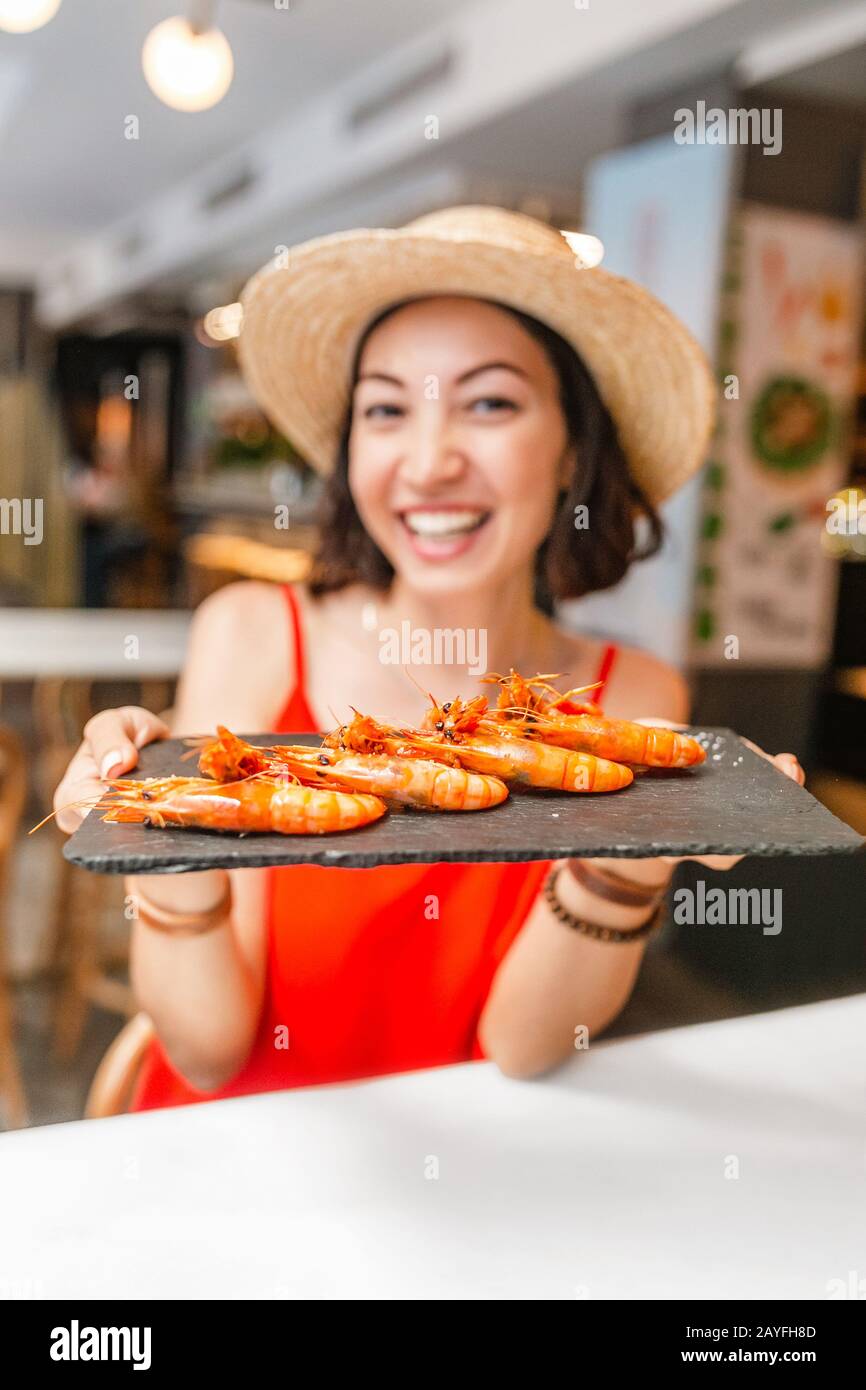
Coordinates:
(23, 16)
(188, 69)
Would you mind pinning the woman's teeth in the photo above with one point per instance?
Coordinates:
(442, 524)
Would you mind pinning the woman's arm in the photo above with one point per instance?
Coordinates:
(204, 993)
(555, 980)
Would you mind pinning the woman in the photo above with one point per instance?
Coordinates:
(467, 387)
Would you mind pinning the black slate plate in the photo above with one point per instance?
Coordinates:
(735, 803)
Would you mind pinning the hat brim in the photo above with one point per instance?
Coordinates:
(302, 323)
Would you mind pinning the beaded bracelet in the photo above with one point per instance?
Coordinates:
(615, 935)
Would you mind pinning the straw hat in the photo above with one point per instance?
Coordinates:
(302, 322)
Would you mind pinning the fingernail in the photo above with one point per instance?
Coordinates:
(111, 763)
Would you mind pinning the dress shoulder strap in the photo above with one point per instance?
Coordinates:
(297, 637)
(605, 667)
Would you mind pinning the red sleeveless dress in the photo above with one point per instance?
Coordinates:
(369, 971)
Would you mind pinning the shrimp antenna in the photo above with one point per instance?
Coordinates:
(418, 686)
(582, 689)
(70, 806)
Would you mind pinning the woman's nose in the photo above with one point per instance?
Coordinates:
(432, 456)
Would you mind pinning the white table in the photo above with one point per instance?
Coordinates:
(604, 1181)
(92, 643)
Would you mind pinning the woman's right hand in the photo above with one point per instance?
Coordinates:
(109, 749)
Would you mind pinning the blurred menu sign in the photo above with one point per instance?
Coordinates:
(789, 340)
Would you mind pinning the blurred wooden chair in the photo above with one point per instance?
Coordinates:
(13, 793)
(77, 950)
(115, 1077)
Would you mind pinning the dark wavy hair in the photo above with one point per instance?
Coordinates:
(569, 562)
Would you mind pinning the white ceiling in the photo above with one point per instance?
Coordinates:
(540, 88)
(65, 165)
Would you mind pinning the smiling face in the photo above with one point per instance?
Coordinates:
(458, 446)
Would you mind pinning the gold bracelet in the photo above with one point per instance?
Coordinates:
(616, 935)
(166, 919)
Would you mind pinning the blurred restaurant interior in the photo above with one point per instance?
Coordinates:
(128, 229)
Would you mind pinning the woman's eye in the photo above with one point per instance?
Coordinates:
(383, 412)
(489, 405)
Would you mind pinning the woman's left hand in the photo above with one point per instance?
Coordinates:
(785, 762)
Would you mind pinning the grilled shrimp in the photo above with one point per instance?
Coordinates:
(415, 781)
(259, 803)
(462, 734)
(408, 778)
(569, 722)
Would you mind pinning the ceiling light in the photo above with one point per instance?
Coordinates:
(23, 16)
(187, 67)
